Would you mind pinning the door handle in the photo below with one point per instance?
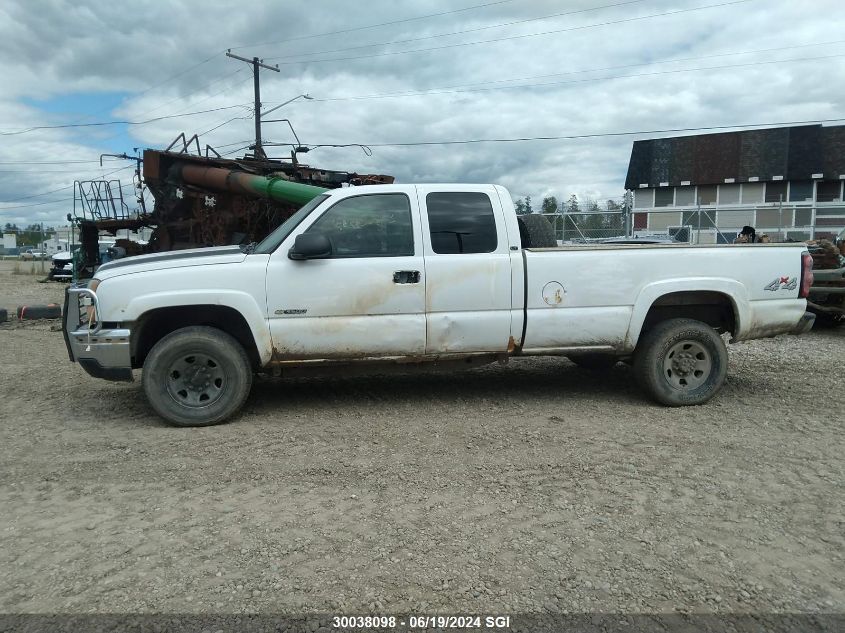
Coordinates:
(406, 277)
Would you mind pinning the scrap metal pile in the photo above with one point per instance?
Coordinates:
(827, 295)
(201, 200)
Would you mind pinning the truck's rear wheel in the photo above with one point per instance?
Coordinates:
(197, 376)
(681, 362)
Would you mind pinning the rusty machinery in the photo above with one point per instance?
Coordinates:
(201, 199)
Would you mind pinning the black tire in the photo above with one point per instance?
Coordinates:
(681, 362)
(535, 231)
(595, 362)
(4, 315)
(197, 376)
(49, 311)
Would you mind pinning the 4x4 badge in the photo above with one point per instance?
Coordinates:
(782, 283)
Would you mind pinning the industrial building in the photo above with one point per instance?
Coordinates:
(786, 182)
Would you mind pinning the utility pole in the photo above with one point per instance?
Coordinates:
(42, 246)
(256, 65)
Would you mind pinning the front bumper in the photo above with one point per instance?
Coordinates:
(805, 323)
(103, 353)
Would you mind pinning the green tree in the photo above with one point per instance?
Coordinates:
(592, 222)
(614, 221)
(528, 208)
(519, 204)
(549, 205)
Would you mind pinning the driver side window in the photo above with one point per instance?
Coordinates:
(377, 225)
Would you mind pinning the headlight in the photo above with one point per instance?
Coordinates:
(92, 285)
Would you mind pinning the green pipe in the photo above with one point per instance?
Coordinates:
(284, 190)
(271, 187)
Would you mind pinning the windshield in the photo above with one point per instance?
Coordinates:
(272, 241)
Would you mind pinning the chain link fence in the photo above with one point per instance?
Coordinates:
(587, 227)
(721, 225)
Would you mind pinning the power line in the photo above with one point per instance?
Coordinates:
(47, 193)
(48, 162)
(182, 98)
(515, 37)
(48, 171)
(577, 136)
(226, 76)
(36, 204)
(169, 79)
(235, 151)
(105, 123)
(235, 143)
(464, 31)
(373, 26)
(217, 127)
(485, 84)
(177, 75)
(303, 37)
(153, 87)
(590, 79)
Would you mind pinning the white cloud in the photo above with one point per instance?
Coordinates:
(51, 49)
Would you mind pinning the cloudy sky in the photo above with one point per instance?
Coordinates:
(387, 73)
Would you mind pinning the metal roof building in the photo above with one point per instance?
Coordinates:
(787, 182)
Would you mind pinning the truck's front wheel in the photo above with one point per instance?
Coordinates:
(197, 376)
(681, 362)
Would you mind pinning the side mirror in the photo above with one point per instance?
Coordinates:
(311, 246)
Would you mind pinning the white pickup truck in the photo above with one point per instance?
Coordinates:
(404, 275)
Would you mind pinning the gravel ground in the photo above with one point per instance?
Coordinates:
(532, 487)
(18, 285)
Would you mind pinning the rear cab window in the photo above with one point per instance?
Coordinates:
(461, 222)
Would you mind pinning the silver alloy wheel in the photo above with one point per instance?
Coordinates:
(687, 365)
(195, 380)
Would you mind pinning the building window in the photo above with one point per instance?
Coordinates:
(803, 216)
(644, 198)
(697, 220)
(829, 191)
(734, 219)
(728, 194)
(640, 221)
(800, 190)
(830, 211)
(837, 222)
(664, 197)
(775, 191)
(662, 221)
(773, 217)
(752, 192)
(684, 196)
(707, 194)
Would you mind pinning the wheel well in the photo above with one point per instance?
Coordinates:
(154, 325)
(713, 308)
